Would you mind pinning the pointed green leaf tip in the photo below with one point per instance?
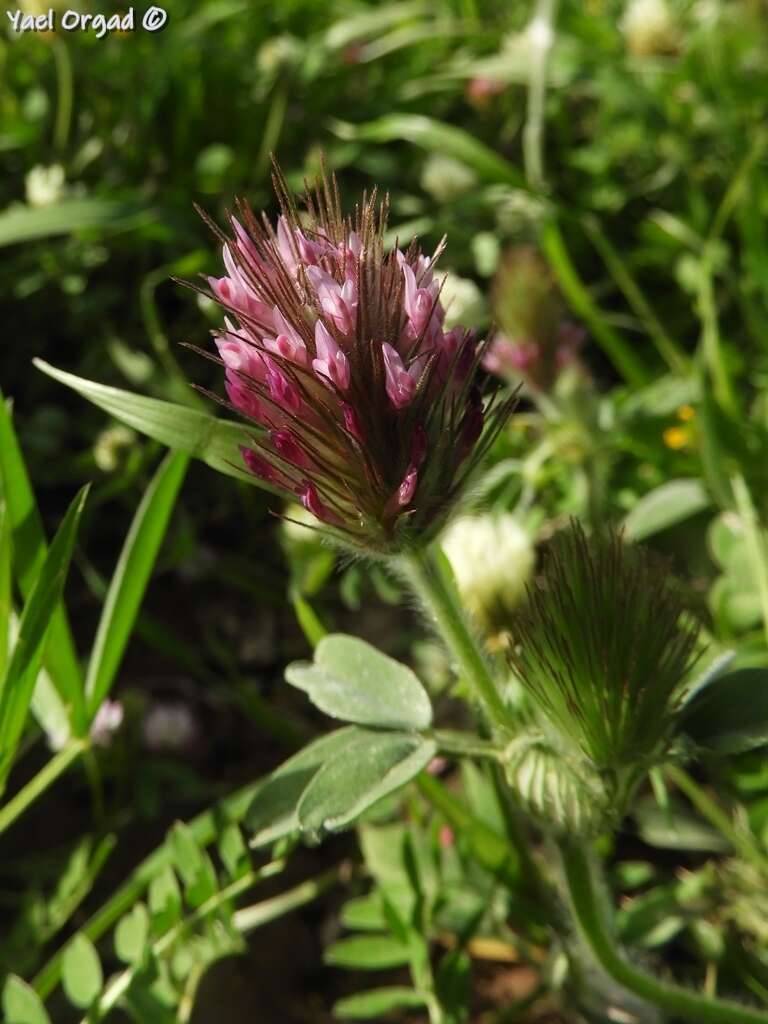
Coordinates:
(354, 682)
(604, 647)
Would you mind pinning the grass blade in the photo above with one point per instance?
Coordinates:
(29, 552)
(581, 302)
(131, 576)
(436, 137)
(6, 597)
(35, 622)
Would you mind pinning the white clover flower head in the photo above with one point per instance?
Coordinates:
(462, 300)
(492, 558)
(649, 28)
(44, 186)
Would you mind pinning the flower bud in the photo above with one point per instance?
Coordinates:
(603, 648)
(536, 341)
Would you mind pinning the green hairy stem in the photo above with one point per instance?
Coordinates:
(585, 895)
(426, 579)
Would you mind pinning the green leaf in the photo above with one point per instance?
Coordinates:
(435, 137)
(371, 1005)
(24, 223)
(354, 26)
(215, 442)
(671, 503)
(272, 813)
(131, 576)
(21, 1004)
(368, 952)
(194, 865)
(81, 973)
(353, 681)
(33, 628)
(306, 616)
(164, 900)
(233, 851)
(131, 935)
(492, 850)
(372, 766)
(730, 714)
(676, 828)
(29, 551)
(364, 913)
(187, 855)
(6, 593)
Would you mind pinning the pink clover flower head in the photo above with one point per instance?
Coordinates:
(364, 408)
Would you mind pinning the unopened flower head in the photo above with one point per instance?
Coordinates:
(368, 410)
(536, 340)
(603, 646)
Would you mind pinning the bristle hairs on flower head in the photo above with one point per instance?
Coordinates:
(370, 412)
(602, 645)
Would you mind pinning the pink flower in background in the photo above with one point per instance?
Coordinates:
(364, 408)
(536, 340)
(107, 721)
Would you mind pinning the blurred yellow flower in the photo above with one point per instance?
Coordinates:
(676, 437)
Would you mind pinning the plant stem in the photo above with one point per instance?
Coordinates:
(38, 785)
(583, 305)
(120, 985)
(541, 36)
(204, 828)
(740, 840)
(711, 342)
(65, 92)
(586, 897)
(466, 744)
(675, 358)
(442, 605)
(258, 914)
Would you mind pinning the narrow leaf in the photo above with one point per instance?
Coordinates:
(33, 628)
(29, 551)
(131, 576)
(6, 595)
(378, 1001)
(436, 137)
(671, 503)
(24, 223)
(368, 952)
(353, 681)
(215, 442)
